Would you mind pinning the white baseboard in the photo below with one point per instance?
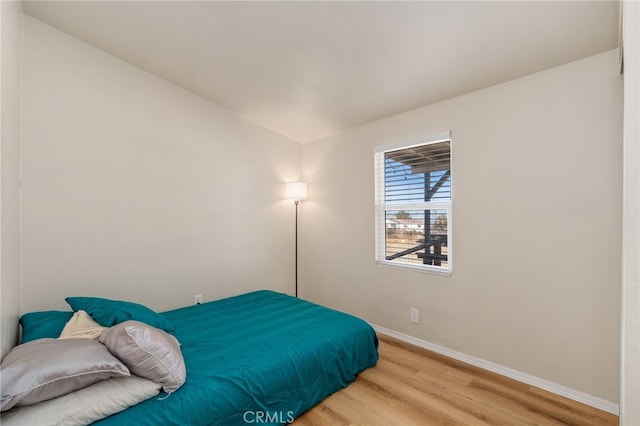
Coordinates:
(584, 398)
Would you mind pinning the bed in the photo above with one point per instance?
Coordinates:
(261, 357)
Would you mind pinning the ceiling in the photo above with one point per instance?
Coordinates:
(308, 69)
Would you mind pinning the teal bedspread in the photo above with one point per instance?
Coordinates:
(258, 358)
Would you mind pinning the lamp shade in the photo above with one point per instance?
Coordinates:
(296, 191)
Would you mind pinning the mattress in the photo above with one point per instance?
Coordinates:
(261, 357)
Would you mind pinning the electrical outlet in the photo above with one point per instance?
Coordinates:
(197, 299)
(415, 316)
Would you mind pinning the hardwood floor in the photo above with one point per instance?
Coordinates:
(414, 386)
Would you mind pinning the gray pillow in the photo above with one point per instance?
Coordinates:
(148, 352)
(47, 368)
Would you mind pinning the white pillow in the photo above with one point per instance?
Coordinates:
(81, 326)
(84, 406)
(148, 352)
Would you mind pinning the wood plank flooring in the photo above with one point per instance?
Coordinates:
(414, 386)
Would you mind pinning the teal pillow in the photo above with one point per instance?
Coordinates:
(38, 325)
(108, 312)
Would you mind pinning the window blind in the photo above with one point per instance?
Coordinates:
(418, 174)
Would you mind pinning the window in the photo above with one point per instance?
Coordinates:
(413, 204)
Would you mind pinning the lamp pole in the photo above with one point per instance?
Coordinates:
(296, 257)
(296, 191)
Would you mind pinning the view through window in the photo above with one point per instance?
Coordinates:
(413, 205)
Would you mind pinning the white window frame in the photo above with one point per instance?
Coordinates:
(381, 207)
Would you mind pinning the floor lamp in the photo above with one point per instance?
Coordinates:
(296, 191)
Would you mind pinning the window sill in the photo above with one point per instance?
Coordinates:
(416, 268)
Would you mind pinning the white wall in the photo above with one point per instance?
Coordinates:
(536, 226)
(136, 189)
(630, 364)
(11, 35)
